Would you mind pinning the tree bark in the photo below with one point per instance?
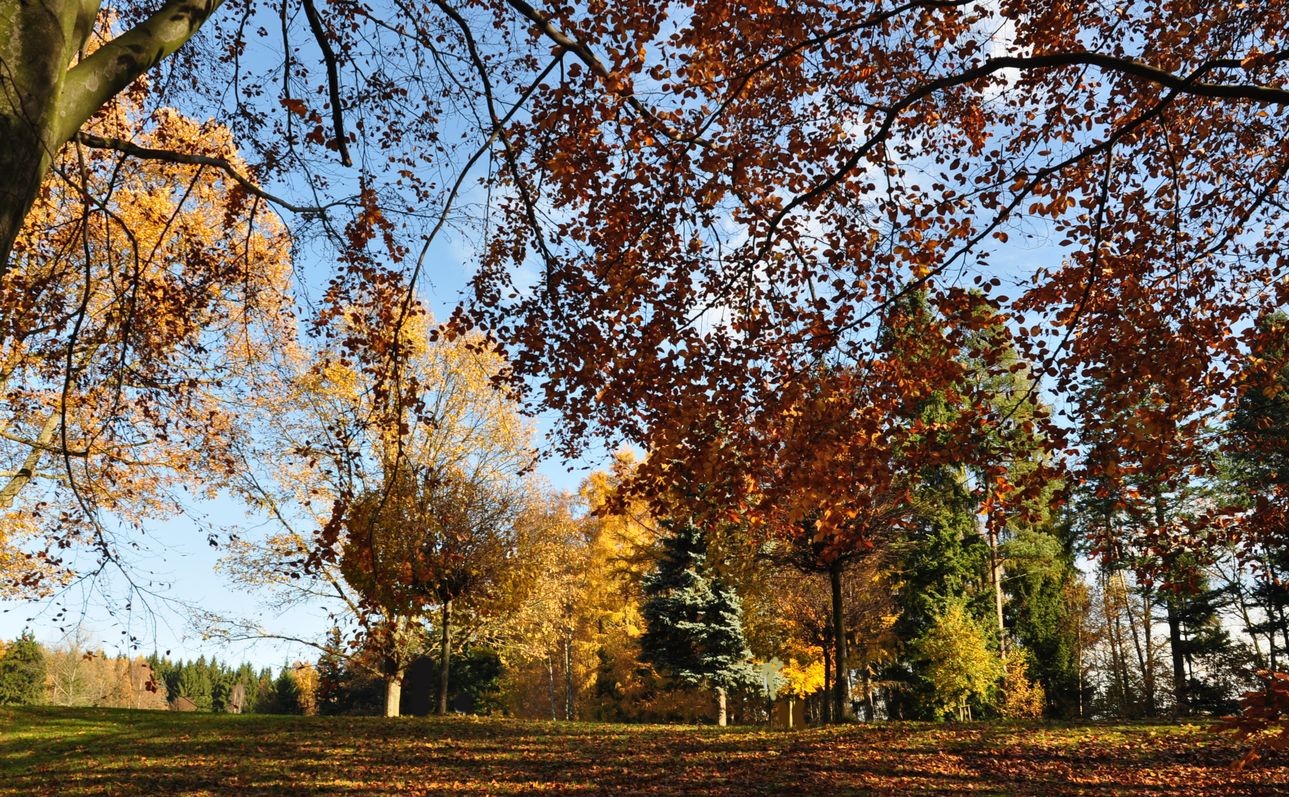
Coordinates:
(825, 708)
(550, 683)
(1181, 703)
(721, 716)
(27, 471)
(841, 684)
(568, 676)
(996, 582)
(43, 102)
(393, 694)
(445, 656)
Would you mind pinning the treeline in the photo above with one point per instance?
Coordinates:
(74, 675)
(883, 565)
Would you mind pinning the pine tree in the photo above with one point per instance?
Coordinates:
(22, 672)
(694, 623)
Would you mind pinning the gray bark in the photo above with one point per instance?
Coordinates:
(393, 694)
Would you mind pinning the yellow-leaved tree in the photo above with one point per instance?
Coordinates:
(138, 293)
(393, 486)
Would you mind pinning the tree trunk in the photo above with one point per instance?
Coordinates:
(870, 710)
(393, 694)
(721, 718)
(37, 43)
(1181, 703)
(825, 705)
(1118, 655)
(1144, 658)
(568, 676)
(1241, 602)
(841, 683)
(995, 581)
(1148, 628)
(550, 683)
(445, 656)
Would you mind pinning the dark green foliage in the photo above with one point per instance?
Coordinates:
(346, 689)
(1043, 587)
(332, 677)
(694, 623)
(22, 672)
(209, 683)
(286, 695)
(1206, 648)
(474, 680)
(943, 560)
(194, 682)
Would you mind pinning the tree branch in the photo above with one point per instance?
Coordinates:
(128, 148)
(115, 65)
(333, 80)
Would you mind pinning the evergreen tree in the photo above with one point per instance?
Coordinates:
(194, 683)
(1203, 647)
(332, 676)
(476, 676)
(1257, 475)
(1041, 616)
(694, 623)
(941, 563)
(22, 672)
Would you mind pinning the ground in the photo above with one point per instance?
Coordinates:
(115, 751)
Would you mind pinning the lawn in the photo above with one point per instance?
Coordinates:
(115, 751)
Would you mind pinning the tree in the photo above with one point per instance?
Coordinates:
(22, 672)
(962, 667)
(431, 539)
(134, 304)
(347, 451)
(694, 623)
(740, 192)
(1047, 613)
(52, 88)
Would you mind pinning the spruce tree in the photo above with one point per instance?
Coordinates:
(694, 623)
(22, 672)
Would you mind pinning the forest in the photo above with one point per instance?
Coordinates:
(939, 348)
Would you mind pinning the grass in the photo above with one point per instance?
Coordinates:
(45, 750)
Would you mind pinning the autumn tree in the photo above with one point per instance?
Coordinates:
(739, 192)
(344, 453)
(429, 540)
(136, 299)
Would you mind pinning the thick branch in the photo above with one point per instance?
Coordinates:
(333, 80)
(115, 65)
(27, 471)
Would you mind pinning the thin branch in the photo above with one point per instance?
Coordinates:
(333, 80)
